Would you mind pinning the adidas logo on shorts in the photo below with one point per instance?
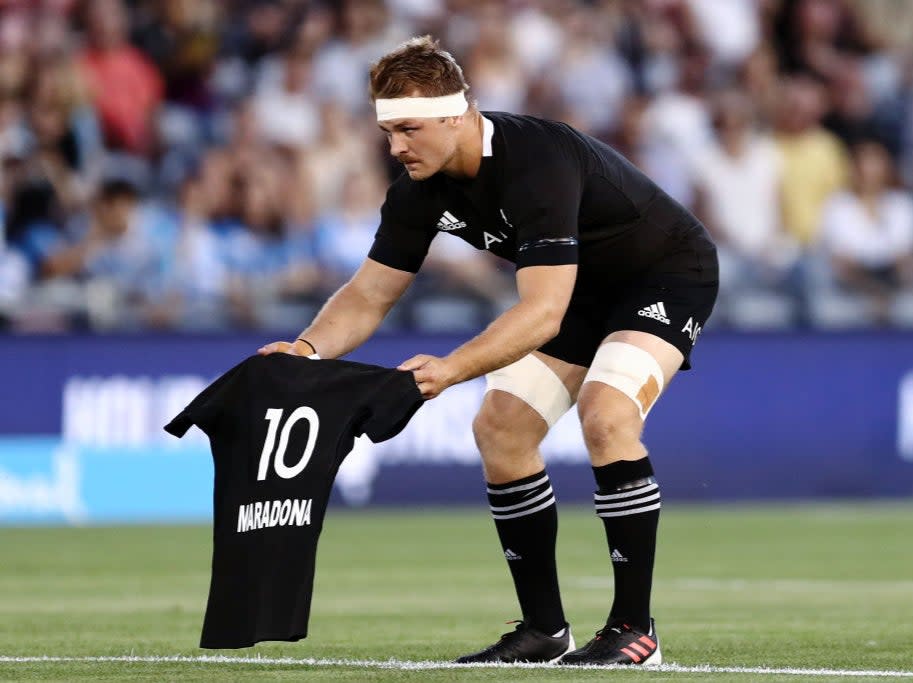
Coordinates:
(448, 222)
(656, 311)
(511, 555)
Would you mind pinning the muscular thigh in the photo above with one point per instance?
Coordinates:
(526, 398)
(522, 402)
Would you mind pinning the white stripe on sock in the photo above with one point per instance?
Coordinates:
(541, 506)
(534, 499)
(522, 487)
(626, 494)
(635, 511)
(626, 503)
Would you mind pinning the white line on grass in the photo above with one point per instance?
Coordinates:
(402, 665)
(780, 585)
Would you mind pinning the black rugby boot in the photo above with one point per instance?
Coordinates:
(524, 644)
(618, 643)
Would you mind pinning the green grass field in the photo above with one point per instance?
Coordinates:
(783, 587)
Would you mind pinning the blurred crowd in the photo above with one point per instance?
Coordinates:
(214, 164)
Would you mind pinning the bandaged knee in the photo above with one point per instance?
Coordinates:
(631, 370)
(534, 383)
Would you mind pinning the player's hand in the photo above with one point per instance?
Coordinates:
(295, 348)
(432, 374)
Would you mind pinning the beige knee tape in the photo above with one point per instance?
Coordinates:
(534, 383)
(631, 370)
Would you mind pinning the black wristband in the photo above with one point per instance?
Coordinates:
(313, 348)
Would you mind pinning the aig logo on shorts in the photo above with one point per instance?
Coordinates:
(692, 329)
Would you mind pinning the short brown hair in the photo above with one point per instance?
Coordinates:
(418, 64)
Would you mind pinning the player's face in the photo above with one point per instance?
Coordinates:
(423, 146)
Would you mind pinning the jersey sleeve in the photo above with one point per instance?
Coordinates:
(402, 240)
(542, 202)
(390, 406)
(204, 410)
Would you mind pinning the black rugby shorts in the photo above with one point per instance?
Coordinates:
(675, 308)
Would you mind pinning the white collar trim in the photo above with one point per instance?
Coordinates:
(488, 129)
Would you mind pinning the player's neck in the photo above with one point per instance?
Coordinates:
(467, 159)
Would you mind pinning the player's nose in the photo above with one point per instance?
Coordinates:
(397, 146)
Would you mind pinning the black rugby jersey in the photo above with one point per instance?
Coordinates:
(547, 194)
(279, 427)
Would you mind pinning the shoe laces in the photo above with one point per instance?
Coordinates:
(520, 626)
(613, 631)
(507, 638)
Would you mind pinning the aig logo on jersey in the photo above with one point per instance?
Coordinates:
(448, 222)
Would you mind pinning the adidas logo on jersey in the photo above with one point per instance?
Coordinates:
(656, 311)
(448, 222)
(511, 555)
(617, 556)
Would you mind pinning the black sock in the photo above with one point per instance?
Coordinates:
(527, 521)
(628, 502)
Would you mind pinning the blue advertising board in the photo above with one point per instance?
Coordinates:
(762, 416)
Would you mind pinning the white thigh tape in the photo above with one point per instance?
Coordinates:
(631, 370)
(533, 382)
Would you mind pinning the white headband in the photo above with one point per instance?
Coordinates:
(421, 107)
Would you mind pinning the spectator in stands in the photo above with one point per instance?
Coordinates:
(287, 113)
(14, 268)
(739, 182)
(536, 35)
(262, 30)
(125, 86)
(852, 116)
(255, 248)
(680, 116)
(197, 278)
(343, 144)
(730, 30)
(589, 57)
(13, 136)
(63, 131)
(818, 36)
(365, 33)
(663, 163)
(494, 69)
(125, 247)
(814, 160)
(867, 231)
(343, 236)
(33, 217)
(181, 39)
(14, 51)
(758, 77)
(108, 222)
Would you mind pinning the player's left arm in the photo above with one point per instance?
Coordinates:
(535, 319)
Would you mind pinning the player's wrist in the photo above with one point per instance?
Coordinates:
(302, 344)
(303, 347)
(455, 371)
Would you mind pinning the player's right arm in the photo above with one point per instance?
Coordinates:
(352, 314)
